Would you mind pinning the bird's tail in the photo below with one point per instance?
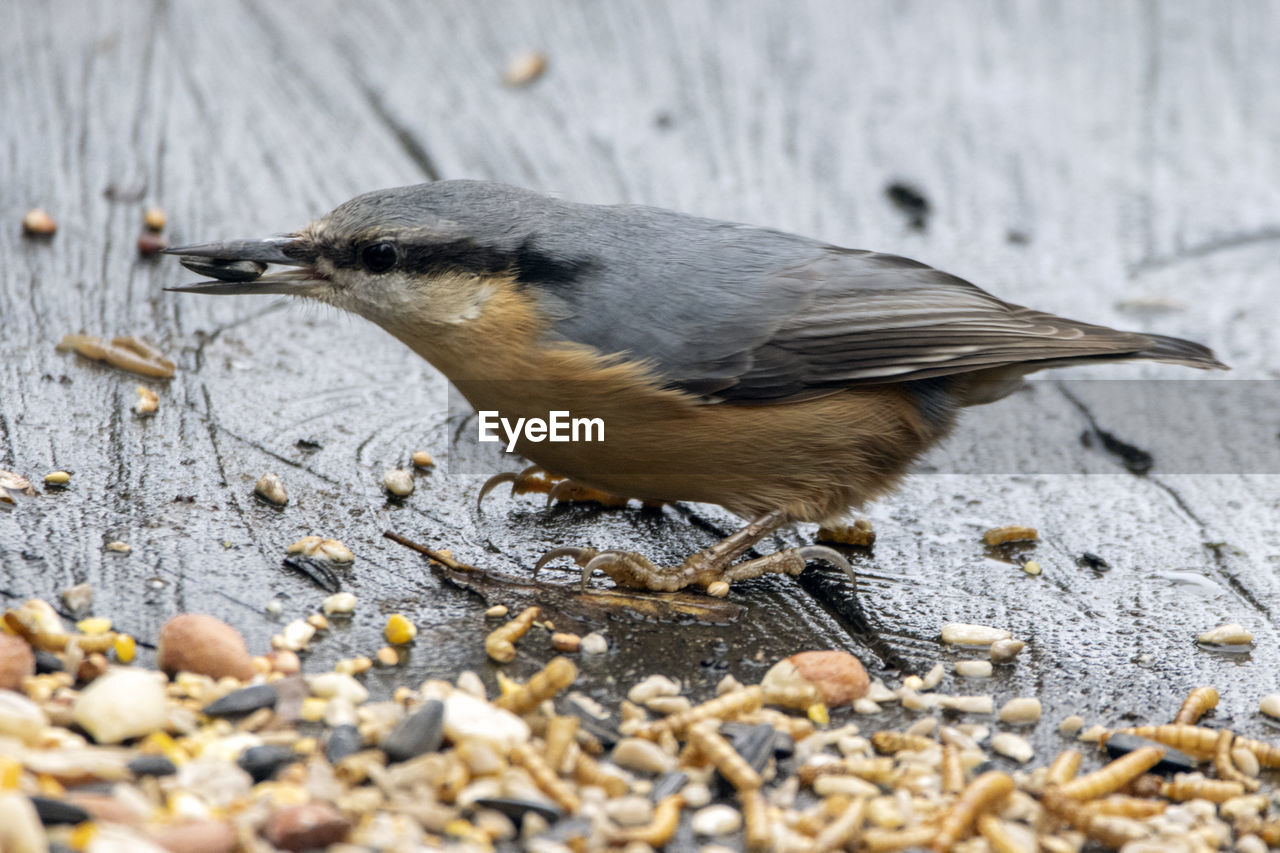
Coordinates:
(1178, 351)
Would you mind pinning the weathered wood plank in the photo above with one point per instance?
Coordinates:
(1134, 144)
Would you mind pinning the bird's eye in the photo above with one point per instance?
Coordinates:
(378, 257)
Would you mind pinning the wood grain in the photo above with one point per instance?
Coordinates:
(1134, 146)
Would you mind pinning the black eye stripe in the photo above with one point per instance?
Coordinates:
(379, 257)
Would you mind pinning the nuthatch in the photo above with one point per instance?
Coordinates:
(780, 377)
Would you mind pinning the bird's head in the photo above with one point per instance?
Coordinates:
(410, 259)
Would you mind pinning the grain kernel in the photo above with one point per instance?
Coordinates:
(422, 459)
(399, 630)
(57, 478)
(37, 223)
(398, 482)
(271, 488)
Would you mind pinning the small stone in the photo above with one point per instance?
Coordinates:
(716, 820)
(122, 704)
(1021, 710)
(196, 642)
(17, 661)
(418, 733)
(465, 716)
(562, 641)
(422, 459)
(78, 598)
(399, 630)
(340, 603)
(196, 836)
(152, 765)
(524, 68)
(838, 677)
(263, 762)
(973, 668)
(642, 756)
(594, 644)
(342, 741)
(1003, 651)
(962, 634)
(306, 827)
(271, 488)
(37, 223)
(1227, 635)
(1012, 746)
(153, 219)
(399, 482)
(57, 478)
(243, 701)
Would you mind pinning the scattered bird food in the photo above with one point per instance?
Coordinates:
(127, 353)
(271, 489)
(37, 223)
(524, 68)
(398, 482)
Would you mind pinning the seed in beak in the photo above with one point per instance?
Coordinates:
(224, 270)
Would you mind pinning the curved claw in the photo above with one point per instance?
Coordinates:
(559, 491)
(581, 556)
(493, 482)
(599, 561)
(830, 556)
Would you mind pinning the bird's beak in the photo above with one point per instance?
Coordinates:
(238, 266)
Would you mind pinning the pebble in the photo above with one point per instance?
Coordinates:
(196, 642)
(306, 827)
(973, 668)
(716, 820)
(418, 733)
(152, 765)
(243, 701)
(839, 677)
(20, 829)
(962, 634)
(339, 603)
(331, 685)
(465, 716)
(1021, 710)
(1270, 705)
(271, 488)
(1012, 746)
(399, 482)
(197, 836)
(594, 644)
(17, 661)
(342, 741)
(263, 762)
(1227, 635)
(122, 704)
(37, 223)
(642, 756)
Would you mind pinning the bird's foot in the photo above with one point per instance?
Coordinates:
(704, 569)
(534, 479)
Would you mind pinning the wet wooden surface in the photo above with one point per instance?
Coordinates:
(1118, 162)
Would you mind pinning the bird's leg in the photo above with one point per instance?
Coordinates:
(711, 565)
(556, 488)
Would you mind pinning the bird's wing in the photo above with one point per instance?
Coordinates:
(743, 314)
